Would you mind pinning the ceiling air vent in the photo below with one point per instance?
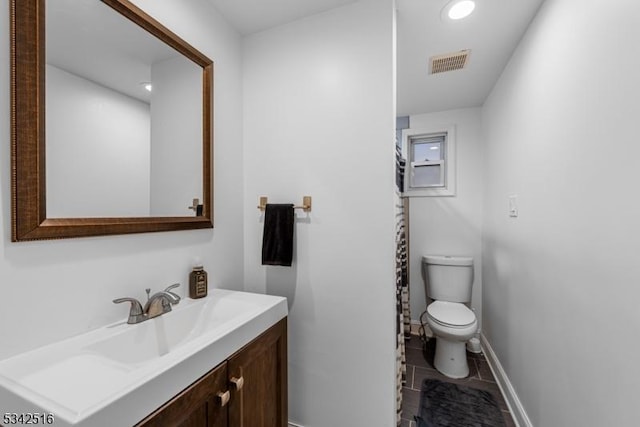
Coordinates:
(448, 62)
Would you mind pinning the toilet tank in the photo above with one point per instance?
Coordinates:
(448, 278)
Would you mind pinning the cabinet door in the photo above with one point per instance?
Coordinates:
(197, 406)
(258, 381)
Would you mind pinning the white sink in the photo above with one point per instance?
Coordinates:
(118, 374)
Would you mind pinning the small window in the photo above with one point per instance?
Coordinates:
(430, 154)
(426, 160)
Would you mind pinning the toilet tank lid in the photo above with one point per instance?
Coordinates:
(447, 260)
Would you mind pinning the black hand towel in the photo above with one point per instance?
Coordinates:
(277, 238)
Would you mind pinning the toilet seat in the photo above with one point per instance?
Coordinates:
(451, 314)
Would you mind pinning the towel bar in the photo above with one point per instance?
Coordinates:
(306, 203)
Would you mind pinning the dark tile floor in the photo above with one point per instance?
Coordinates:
(420, 366)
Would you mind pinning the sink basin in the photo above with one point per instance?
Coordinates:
(124, 372)
(159, 336)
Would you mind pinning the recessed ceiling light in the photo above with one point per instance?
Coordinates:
(459, 9)
(147, 86)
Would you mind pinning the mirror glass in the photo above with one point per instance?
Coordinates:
(123, 117)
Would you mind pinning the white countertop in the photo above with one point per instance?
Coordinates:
(120, 373)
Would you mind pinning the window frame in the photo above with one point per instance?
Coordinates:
(448, 163)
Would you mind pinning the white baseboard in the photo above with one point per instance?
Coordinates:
(520, 416)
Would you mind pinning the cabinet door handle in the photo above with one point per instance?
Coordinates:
(238, 382)
(224, 397)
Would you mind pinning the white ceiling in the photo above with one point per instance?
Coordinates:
(491, 32)
(251, 16)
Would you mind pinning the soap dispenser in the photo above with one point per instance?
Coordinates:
(198, 281)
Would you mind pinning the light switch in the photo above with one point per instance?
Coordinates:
(513, 206)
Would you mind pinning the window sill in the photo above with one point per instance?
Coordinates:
(430, 192)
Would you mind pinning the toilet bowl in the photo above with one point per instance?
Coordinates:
(448, 282)
(453, 324)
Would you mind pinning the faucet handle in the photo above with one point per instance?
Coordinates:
(136, 314)
(175, 285)
(176, 296)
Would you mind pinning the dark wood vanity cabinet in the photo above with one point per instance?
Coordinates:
(262, 399)
(197, 406)
(249, 389)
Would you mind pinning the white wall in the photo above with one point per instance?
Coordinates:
(95, 168)
(561, 295)
(318, 121)
(449, 225)
(55, 289)
(176, 135)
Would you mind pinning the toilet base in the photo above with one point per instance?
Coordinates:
(451, 358)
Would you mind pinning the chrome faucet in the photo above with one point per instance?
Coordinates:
(157, 304)
(160, 302)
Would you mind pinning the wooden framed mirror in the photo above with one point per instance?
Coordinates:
(87, 189)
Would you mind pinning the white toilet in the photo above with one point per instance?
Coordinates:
(448, 281)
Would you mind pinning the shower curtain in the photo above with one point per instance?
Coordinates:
(403, 319)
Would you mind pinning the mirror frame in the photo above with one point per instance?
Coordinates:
(28, 187)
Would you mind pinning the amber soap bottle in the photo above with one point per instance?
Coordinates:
(198, 281)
